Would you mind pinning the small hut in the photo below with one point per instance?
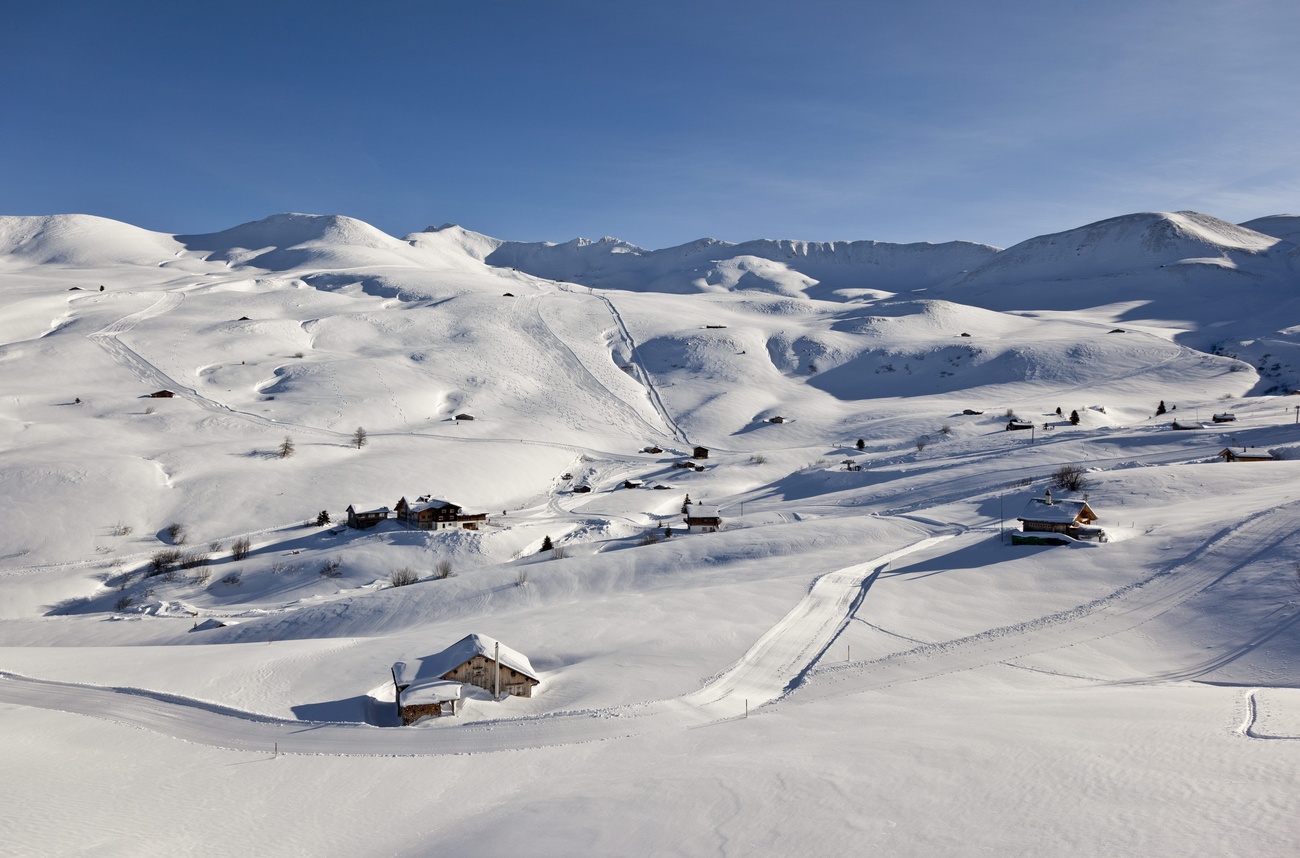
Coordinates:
(706, 519)
(1231, 455)
(700, 453)
(161, 394)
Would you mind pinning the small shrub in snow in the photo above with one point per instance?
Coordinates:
(521, 578)
(403, 577)
(331, 568)
(442, 569)
(945, 429)
(121, 529)
(649, 538)
(215, 546)
(233, 580)
(202, 577)
(559, 553)
(280, 567)
(922, 443)
(758, 459)
(124, 603)
(239, 548)
(176, 533)
(1010, 413)
(193, 560)
(163, 562)
(668, 531)
(286, 448)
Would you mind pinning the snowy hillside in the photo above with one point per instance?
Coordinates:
(879, 669)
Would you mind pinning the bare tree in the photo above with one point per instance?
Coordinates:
(239, 548)
(442, 569)
(359, 437)
(286, 448)
(1071, 478)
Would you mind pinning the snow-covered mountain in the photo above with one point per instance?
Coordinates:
(859, 600)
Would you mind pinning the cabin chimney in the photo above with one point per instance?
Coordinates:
(1048, 493)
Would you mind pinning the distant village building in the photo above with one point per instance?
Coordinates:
(1244, 455)
(633, 484)
(581, 489)
(362, 516)
(1226, 417)
(777, 419)
(700, 453)
(1045, 516)
(428, 513)
(1017, 425)
(161, 394)
(706, 519)
(464, 416)
(652, 450)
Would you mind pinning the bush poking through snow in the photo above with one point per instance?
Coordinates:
(521, 578)
(331, 568)
(403, 577)
(559, 553)
(945, 429)
(176, 533)
(163, 562)
(649, 538)
(193, 560)
(124, 603)
(442, 569)
(239, 548)
(122, 529)
(922, 443)
(1071, 478)
(233, 580)
(202, 577)
(758, 459)
(286, 448)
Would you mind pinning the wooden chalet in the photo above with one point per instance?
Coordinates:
(1017, 425)
(1244, 455)
(1225, 417)
(1183, 427)
(777, 419)
(1046, 515)
(161, 394)
(464, 416)
(428, 513)
(700, 453)
(362, 516)
(633, 484)
(706, 519)
(581, 489)
(652, 450)
(476, 660)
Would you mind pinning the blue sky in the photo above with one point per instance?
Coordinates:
(657, 122)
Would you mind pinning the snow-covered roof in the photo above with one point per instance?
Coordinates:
(697, 511)
(365, 509)
(434, 666)
(1055, 511)
(432, 504)
(432, 691)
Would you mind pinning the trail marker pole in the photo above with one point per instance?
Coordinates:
(746, 707)
(277, 751)
(849, 655)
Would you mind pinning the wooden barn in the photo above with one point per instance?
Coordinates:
(362, 516)
(1046, 515)
(706, 519)
(1019, 425)
(161, 394)
(476, 660)
(700, 453)
(1225, 417)
(1244, 455)
(428, 513)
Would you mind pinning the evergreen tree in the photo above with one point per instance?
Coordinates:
(359, 437)
(685, 504)
(323, 519)
(547, 544)
(861, 444)
(286, 448)
(1074, 418)
(1160, 409)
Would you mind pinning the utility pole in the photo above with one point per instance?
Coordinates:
(496, 660)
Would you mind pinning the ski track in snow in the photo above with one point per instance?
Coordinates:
(1225, 553)
(767, 672)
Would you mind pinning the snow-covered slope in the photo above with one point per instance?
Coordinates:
(865, 649)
